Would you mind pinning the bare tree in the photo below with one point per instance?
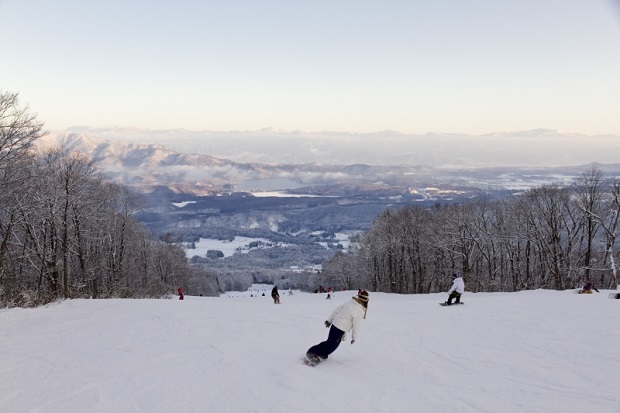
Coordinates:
(65, 232)
(18, 130)
(605, 213)
(589, 200)
(341, 271)
(18, 127)
(540, 239)
(611, 226)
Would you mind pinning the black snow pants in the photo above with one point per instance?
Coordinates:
(328, 346)
(454, 295)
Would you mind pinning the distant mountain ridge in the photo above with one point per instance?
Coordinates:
(304, 158)
(536, 147)
(106, 152)
(153, 165)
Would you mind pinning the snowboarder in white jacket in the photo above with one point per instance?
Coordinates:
(458, 288)
(344, 318)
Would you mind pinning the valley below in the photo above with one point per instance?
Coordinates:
(287, 217)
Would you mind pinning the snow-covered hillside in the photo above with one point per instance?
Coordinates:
(535, 351)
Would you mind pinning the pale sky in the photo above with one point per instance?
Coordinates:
(413, 66)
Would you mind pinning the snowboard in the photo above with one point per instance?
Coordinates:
(311, 360)
(446, 305)
(614, 296)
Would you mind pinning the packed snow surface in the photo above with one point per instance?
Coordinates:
(534, 351)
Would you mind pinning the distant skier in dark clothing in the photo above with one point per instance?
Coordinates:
(587, 288)
(344, 318)
(275, 295)
(180, 293)
(457, 289)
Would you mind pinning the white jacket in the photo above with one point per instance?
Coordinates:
(457, 285)
(347, 317)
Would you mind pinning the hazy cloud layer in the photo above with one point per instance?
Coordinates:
(540, 147)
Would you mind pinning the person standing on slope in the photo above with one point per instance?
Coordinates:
(457, 289)
(344, 318)
(275, 295)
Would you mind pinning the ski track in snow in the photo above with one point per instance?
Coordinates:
(535, 351)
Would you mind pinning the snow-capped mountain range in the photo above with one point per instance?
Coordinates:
(537, 147)
(206, 161)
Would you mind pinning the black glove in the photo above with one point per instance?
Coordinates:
(327, 324)
(352, 341)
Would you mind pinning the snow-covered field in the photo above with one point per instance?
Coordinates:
(242, 245)
(228, 248)
(535, 351)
